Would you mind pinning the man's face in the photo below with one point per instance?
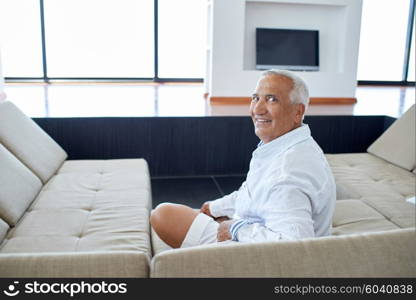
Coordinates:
(272, 112)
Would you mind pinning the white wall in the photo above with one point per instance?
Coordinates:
(231, 71)
(2, 93)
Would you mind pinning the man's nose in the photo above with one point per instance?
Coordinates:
(260, 107)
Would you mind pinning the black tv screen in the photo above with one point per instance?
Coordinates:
(288, 49)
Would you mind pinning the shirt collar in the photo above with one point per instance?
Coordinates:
(283, 142)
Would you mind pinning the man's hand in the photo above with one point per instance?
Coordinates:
(205, 209)
(223, 233)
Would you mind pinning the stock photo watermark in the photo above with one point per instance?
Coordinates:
(71, 289)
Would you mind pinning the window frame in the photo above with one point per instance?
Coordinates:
(45, 78)
(405, 67)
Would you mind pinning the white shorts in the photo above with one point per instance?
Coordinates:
(203, 230)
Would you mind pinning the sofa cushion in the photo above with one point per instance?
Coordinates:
(365, 175)
(377, 193)
(29, 143)
(397, 143)
(396, 209)
(76, 230)
(354, 216)
(4, 227)
(344, 191)
(112, 175)
(19, 187)
(98, 205)
(120, 264)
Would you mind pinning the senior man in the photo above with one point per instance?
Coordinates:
(289, 192)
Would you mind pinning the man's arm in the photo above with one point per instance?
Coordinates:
(287, 216)
(286, 212)
(223, 206)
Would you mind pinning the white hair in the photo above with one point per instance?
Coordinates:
(299, 92)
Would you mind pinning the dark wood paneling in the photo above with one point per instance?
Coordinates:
(193, 146)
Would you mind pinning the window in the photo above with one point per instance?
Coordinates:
(116, 39)
(20, 38)
(383, 40)
(103, 39)
(182, 38)
(99, 38)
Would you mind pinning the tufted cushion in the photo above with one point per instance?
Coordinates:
(354, 216)
(365, 175)
(397, 143)
(88, 206)
(29, 143)
(374, 194)
(344, 191)
(18, 187)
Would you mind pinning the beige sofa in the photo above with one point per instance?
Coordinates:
(373, 226)
(63, 218)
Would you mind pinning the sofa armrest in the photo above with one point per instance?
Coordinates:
(77, 264)
(382, 254)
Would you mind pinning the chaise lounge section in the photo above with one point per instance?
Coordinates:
(62, 218)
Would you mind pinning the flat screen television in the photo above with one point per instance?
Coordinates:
(288, 49)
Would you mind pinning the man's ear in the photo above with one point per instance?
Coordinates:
(299, 112)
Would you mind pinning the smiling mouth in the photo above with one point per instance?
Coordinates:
(262, 121)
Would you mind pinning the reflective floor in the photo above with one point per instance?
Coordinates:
(129, 99)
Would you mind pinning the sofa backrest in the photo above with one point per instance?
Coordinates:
(19, 187)
(397, 144)
(29, 143)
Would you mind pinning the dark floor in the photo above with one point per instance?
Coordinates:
(193, 191)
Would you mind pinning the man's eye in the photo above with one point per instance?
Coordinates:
(255, 98)
(271, 98)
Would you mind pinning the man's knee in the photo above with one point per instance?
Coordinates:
(160, 214)
(172, 221)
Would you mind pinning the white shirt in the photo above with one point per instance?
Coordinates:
(289, 192)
